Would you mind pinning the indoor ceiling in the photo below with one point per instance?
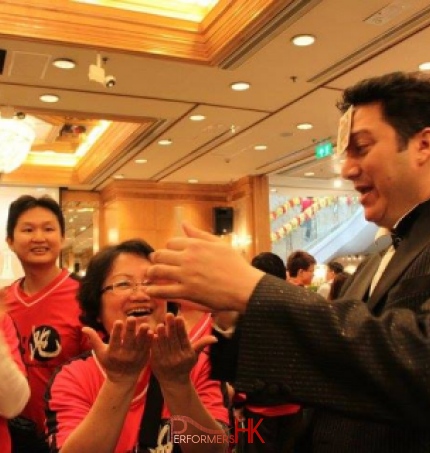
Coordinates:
(168, 67)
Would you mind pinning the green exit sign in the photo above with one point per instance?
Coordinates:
(323, 150)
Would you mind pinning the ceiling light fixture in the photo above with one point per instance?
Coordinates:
(165, 142)
(64, 63)
(49, 98)
(240, 86)
(337, 183)
(260, 147)
(16, 138)
(304, 126)
(309, 173)
(193, 181)
(197, 117)
(140, 161)
(424, 66)
(97, 73)
(303, 40)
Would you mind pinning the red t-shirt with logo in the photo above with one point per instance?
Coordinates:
(50, 330)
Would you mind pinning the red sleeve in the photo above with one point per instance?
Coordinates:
(12, 340)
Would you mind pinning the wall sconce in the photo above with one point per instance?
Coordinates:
(241, 241)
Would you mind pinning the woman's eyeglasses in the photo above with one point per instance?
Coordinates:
(125, 287)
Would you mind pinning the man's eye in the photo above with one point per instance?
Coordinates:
(123, 285)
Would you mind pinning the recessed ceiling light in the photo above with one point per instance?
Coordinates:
(197, 117)
(64, 63)
(304, 126)
(119, 176)
(273, 190)
(165, 142)
(303, 40)
(309, 173)
(140, 161)
(193, 181)
(240, 86)
(424, 66)
(49, 98)
(260, 147)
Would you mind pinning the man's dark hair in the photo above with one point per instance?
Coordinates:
(89, 294)
(404, 100)
(335, 267)
(270, 263)
(27, 202)
(299, 260)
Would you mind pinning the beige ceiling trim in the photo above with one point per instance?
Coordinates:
(41, 176)
(119, 190)
(272, 21)
(112, 146)
(227, 27)
(100, 161)
(393, 36)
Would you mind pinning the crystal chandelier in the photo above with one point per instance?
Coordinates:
(16, 138)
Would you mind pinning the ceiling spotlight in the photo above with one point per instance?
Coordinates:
(424, 66)
(197, 117)
(304, 126)
(260, 147)
(240, 86)
(140, 161)
(309, 173)
(165, 142)
(64, 63)
(49, 98)
(193, 181)
(97, 73)
(303, 40)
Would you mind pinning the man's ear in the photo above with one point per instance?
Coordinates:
(423, 155)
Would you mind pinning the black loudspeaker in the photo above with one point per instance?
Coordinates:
(222, 220)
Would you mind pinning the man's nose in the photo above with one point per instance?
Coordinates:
(350, 168)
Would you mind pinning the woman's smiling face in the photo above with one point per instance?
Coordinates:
(124, 293)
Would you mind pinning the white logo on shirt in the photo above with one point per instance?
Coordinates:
(44, 343)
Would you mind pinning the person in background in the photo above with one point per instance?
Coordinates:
(362, 362)
(337, 285)
(95, 403)
(306, 203)
(271, 264)
(279, 425)
(14, 388)
(43, 306)
(300, 268)
(333, 268)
